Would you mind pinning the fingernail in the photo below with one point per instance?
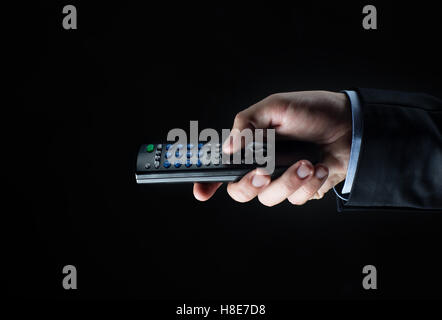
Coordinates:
(259, 180)
(304, 171)
(321, 173)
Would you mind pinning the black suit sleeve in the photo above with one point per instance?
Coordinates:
(400, 161)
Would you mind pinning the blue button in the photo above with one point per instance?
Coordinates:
(188, 163)
(189, 154)
(168, 154)
(178, 154)
(177, 164)
(190, 146)
(166, 164)
(198, 163)
(200, 145)
(168, 146)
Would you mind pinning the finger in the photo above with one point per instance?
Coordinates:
(310, 187)
(331, 181)
(249, 186)
(204, 191)
(267, 113)
(291, 180)
(337, 171)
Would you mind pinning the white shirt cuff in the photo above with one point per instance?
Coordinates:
(356, 140)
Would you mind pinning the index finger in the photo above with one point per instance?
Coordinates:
(267, 113)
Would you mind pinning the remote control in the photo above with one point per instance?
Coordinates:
(174, 163)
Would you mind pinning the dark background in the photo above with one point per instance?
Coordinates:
(80, 102)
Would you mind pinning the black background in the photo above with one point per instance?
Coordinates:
(80, 102)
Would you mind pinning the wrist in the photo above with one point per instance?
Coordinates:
(344, 113)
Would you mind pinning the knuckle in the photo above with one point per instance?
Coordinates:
(277, 99)
(274, 97)
(294, 201)
(265, 202)
(317, 196)
(239, 117)
(297, 201)
(302, 195)
(320, 194)
(307, 191)
(240, 193)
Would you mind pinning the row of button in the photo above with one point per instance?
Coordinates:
(189, 154)
(177, 164)
(191, 146)
(188, 163)
(151, 147)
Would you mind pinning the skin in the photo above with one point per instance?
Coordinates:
(321, 117)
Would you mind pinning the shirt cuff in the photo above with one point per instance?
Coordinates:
(356, 140)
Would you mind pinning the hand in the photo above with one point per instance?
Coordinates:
(321, 117)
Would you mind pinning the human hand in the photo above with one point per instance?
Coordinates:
(321, 117)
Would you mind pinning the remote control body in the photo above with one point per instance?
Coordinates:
(155, 163)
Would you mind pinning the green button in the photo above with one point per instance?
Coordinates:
(149, 148)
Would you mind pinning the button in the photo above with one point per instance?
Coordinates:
(189, 146)
(147, 166)
(159, 146)
(180, 146)
(189, 154)
(149, 148)
(198, 163)
(177, 164)
(178, 154)
(166, 164)
(158, 153)
(168, 146)
(168, 154)
(216, 162)
(200, 145)
(188, 163)
(157, 158)
(156, 164)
